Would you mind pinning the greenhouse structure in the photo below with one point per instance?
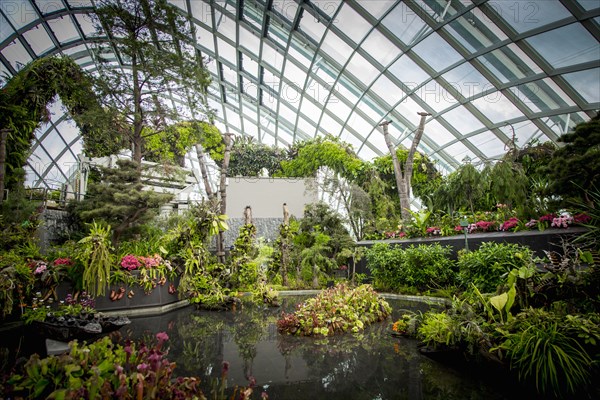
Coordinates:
(286, 199)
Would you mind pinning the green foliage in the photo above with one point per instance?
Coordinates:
(334, 311)
(102, 370)
(314, 258)
(507, 182)
(248, 158)
(153, 38)
(327, 151)
(486, 266)
(95, 255)
(542, 350)
(244, 272)
(575, 167)
(19, 219)
(171, 144)
(320, 218)
(120, 200)
(16, 280)
(425, 177)
(462, 189)
(422, 267)
(438, 329)
(24, 106)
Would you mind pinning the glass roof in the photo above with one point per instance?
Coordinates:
(287, 70)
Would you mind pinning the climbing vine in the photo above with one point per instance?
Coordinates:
(24, 106)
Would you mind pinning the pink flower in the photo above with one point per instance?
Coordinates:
(434, 230)
(40, 269)
(562, 222)
(510, 224)
(162, 336)
(63, 261)
(531, 223)
(547, 217)
(130, 262)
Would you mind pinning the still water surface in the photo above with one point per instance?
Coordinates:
(370, 365)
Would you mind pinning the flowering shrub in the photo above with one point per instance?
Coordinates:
(582, 218)
(434, 231)
(509, 225)
(481, 226)
(40, 268)
(562, 222)
(130, 262)
(151, 262)
(532, 224)
(394, 234)
(63, 261)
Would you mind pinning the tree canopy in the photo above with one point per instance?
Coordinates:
(147, 64)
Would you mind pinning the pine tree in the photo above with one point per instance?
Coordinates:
(120, 200)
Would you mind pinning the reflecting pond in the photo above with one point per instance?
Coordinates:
(369, 365)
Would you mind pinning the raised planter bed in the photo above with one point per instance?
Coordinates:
(550, 239)
(159, 296)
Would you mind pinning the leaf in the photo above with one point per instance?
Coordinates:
(498, 302)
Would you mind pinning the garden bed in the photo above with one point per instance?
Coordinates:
(537, 241)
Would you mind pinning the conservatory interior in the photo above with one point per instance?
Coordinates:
(291, 199)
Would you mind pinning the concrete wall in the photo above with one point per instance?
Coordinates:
(267, 195)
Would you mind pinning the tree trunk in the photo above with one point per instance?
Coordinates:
(138, 121)
(408, 166)
(400, 180)
(3, 138)
(403, 180)
(315, 280)
(204, 172)
(223, 194)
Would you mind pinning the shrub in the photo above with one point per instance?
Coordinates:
(422, 267)
(486, 266)
(336, 310)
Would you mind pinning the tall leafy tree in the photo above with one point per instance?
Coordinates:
(147, 59)
(574, 170)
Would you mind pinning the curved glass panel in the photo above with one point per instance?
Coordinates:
(346, 66)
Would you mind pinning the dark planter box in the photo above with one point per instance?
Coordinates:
(159, 296)
(537, 241)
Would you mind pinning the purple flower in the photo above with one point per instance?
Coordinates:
(162, 336)
(142, 367)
